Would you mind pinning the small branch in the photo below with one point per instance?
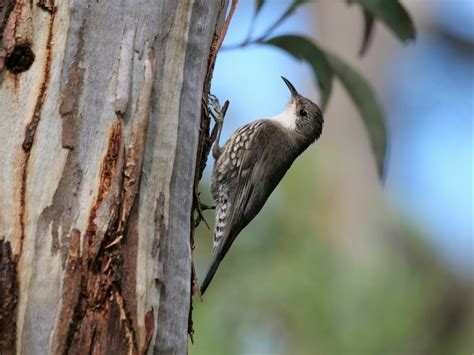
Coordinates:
(225, 27)
(251, 28)
(248, 41)
(198, 208)
(277, 23)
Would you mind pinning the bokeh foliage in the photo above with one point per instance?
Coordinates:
(288, 286)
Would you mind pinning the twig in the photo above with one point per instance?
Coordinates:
(200, 211)
(225, 27)
(248, 41)
(277, 23)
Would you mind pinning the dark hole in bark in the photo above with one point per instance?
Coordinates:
(20, 59)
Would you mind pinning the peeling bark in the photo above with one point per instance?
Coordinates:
(99, 127)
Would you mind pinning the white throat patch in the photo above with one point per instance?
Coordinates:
(287, 118)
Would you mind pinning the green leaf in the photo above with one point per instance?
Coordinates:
(258, 6)
(304, 49)
(393, 14)
(369, 21)
(365, 100)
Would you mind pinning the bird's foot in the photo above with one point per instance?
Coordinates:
(200, 208)
(205, 207)
(218, 113)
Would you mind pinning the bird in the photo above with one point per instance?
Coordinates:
(251, 164)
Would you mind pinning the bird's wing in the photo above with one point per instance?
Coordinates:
(259, 167)
(228, 170)
(246, 200)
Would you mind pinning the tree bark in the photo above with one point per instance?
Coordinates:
(100, 112)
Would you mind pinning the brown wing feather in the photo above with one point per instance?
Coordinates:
(258, 166)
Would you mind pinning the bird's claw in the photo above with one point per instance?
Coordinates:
(200, 208)
(218, 113)
(205, 207)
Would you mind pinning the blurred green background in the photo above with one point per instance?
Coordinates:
(336, 263)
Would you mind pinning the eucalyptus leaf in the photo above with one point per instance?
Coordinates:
(369, 22)
(304, 49)
(393, 14)
(366, 102)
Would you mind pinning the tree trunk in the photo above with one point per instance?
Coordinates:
(100, 111)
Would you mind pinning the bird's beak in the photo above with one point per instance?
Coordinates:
(293, 91)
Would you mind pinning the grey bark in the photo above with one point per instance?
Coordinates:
(100, 109)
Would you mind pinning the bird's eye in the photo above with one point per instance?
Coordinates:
(303, 113)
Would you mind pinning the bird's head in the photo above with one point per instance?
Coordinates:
(302, 115)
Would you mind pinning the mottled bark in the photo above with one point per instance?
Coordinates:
(100, 110)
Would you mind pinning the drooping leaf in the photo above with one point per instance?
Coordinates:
(369, 22)
(393, 14)
(365, 100)
(258, 6)
(304, 49)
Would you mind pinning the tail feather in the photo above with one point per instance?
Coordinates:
(210, 274)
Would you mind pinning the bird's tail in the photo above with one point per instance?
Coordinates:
(210, 273)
